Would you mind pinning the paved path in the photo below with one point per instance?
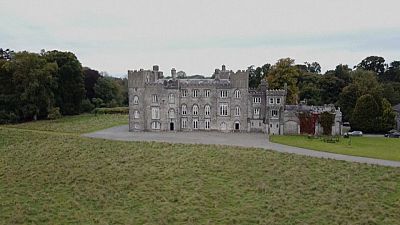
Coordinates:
(256, 140)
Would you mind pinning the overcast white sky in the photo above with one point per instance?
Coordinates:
(198, 36)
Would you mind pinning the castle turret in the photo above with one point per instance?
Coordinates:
(173, 73)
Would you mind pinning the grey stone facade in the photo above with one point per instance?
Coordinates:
(224, 103)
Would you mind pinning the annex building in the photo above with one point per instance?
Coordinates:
(224, 103)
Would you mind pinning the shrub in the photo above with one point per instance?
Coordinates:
(116, 110)
(86, 106)
(7, 117)
(54, 113)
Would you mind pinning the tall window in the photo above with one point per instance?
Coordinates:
(195, 93)
(223, 109)
(237, 94)
(171, 113)
(207, 124)
(224, 94)
(195, 110)
(278, 101)
(274, 113)
(184, 92)
(271, 101)
(184, 123)
(135, 100)
(256, 112)
(155, 113)
(207, 110)
(237, 111)
(207, 93)
(184, 110)
(155, 98)
(155, 125)
(195, 123)
(171, 98)
(257, 99)
(136, 114)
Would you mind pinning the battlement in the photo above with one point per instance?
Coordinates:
(276, 92)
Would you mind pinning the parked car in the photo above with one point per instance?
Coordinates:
(393, 134)
(354, 133)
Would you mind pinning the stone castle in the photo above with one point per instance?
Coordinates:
(224, 103)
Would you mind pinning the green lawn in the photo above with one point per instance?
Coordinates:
(84, 123)
(59, 178)
(374, 147)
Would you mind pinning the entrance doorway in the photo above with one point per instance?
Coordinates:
(237, 126)
(171, 126)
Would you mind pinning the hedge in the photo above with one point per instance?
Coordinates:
(116, 110)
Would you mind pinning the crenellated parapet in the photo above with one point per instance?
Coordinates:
(276, 92)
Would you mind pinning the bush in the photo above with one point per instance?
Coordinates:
(116, 110)
(86, 106)
(54, 113)
(7, 117)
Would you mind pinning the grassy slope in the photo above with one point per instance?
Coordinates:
(57, 178)
(75, 124)
(374, 147)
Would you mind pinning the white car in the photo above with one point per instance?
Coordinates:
(356, 133)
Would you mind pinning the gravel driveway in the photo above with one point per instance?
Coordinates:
(253, 140)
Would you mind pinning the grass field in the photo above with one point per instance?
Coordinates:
(75, 124)
(59, 178)
(374, 147)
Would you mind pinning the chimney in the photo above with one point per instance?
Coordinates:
(173, 73)
(223, 68)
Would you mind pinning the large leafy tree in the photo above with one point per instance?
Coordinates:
(363, 82)
(373, 63)
(109, 91)
(392, 74)
(91, 76)
(366, 114)
(285, 72)
(309, 89)
(71, 89)
(256, 75)
(33, 80)
(388, 119)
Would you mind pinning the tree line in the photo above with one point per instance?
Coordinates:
(364, 93)
(50, 84)
(54, 83)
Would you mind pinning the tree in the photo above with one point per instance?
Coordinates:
(327, 119)
(313, 67)
(91, 77)
(181, 74)
(6, 54)
(34, 84)
(363, 82)
(388, 119)
(373, 63)
(256, 75)
(108, 90)
(366, 114)
(309, 89)
(285, 72)
(331, 86)
(71, 89)
(392, 74)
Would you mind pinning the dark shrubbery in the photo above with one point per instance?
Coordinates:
(116, 110)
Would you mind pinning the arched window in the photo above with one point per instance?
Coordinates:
(237, 111)
(207, 110)
(135, 100)
(195, 110)
(171, 98)
(171, 113)
(136, 114)
(237, 94)
(184, 109)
